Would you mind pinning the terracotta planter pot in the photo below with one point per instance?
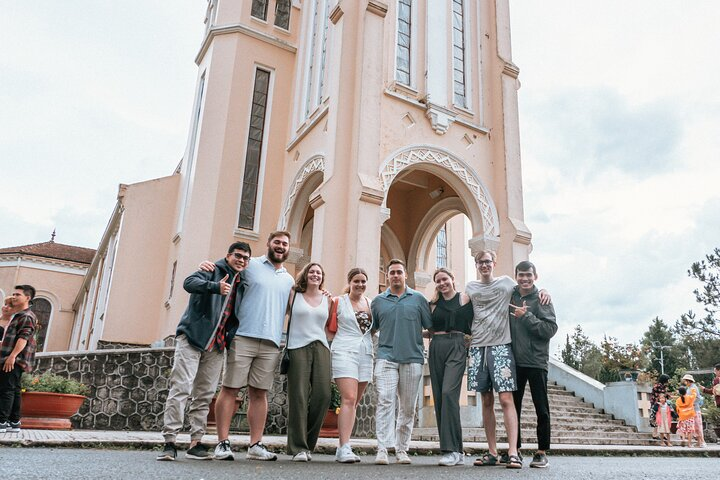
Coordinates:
(330, 425)
(49, 411)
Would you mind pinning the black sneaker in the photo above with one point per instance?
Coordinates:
(199, 452)
(168, 454)
(504, 458)
(539, 460)
(14, 427)
(4, 426)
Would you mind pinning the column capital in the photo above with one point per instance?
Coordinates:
(483, 242)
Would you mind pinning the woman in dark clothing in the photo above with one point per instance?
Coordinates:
(660, 387)
(452, 315)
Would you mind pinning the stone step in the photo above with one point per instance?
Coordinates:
(566, 438)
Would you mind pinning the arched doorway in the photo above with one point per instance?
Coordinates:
(43, 311)
(437, 204)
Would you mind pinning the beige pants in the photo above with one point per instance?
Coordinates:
(195, 375)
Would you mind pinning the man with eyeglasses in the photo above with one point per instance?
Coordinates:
(202, 337)
(492, 364)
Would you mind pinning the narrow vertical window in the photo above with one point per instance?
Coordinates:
(311, 64)
(402, 56)
(172, 279)
(259, 9)
(210, 14)
(441, 247)
(459, 92)
(251, 176)
(190, 160)
(323, 50)
(282, 14)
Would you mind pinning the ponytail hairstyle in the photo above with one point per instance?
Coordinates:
(436, 295)
(351, 274)
(682, 391)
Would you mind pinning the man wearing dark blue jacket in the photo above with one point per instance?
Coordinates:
(532, 325)
(201, 339)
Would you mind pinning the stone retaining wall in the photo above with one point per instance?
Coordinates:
(128, 388)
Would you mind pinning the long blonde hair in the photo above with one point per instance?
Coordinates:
(437, 294)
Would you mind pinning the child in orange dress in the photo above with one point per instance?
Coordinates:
(686, 415)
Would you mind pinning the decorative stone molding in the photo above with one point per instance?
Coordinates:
(295, 255)
(314, 164)
(378, 8)
(336, 13)
(511, 70)
(522, 232)
(440, 118)
(425, 154)
(483, 242)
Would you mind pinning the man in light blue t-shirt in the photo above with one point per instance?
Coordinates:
(399, 314)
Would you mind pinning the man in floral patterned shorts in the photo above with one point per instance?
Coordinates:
(492, 365)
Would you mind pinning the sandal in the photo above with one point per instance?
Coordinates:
(487, 460)
(514, 462)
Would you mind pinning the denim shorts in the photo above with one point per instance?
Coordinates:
(492, 368)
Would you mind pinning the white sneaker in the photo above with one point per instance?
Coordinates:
(402, 458)
(451, 459)
(258, 451)
(382, 457)
(223, 451)
(300, 457)
(345, 454)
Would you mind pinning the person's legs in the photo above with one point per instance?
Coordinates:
(256, 413)
(450, 427)
(409, 378)
(538, 390)
(699, 434)
(224, 411)
(386, 383)
(320, 392)
(511, 421)
(203, 390)
(185, 366)
(488, 412)
(298, 395)
(436, 366)
(9, 392)
(349, 390)
(238, 359)
(522, 378)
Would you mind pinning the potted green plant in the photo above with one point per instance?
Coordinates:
(49, 400)
(330, 426)
(711, 414)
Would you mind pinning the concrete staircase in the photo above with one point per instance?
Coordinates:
(573, 421)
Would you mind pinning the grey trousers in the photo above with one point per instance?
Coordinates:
(447, 360)
(308, 395)
(195, 375)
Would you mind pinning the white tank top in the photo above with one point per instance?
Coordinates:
(308, 323)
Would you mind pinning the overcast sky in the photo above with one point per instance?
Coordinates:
(619, 118)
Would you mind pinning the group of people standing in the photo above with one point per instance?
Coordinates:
(240, 306)
(687, 410)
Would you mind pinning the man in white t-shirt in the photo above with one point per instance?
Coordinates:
(492, 364)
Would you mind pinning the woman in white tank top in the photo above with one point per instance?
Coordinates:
(309, 374)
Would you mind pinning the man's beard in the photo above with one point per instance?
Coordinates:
(277, 257)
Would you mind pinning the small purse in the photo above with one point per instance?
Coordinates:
(285, 360)
(332, 324)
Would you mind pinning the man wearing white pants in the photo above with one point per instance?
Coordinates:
(399, 314)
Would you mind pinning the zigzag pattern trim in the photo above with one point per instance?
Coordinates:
(315, 164)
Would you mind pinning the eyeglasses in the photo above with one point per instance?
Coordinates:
(240, 256)
(484, 262)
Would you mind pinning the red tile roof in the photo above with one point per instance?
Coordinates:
(54, 250)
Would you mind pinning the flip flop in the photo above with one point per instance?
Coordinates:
(514, 462)
(487, 460)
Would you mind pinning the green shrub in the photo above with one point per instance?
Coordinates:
(49, 382)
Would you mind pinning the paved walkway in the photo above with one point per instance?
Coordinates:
(123, 439)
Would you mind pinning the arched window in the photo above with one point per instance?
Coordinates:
(259, 9)
(42, 309)
(282, 14)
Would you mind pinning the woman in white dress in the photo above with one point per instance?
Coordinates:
(352, 357)
(309, 374)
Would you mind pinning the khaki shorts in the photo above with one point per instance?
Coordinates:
(251, 361)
